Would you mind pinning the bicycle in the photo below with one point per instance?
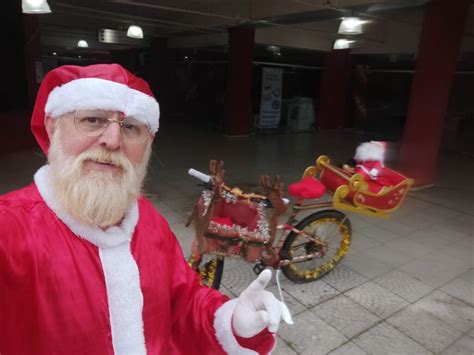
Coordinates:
(231, 223)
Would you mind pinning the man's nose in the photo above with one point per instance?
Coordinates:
(112, 136)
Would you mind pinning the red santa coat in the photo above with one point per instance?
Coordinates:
(377, 175)
(66, 288)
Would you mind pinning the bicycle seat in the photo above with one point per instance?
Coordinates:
(308, 187)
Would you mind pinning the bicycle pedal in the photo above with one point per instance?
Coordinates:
(258, 268)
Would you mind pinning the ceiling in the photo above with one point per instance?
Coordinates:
(391, 25)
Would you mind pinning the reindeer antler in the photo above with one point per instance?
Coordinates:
(274, 191)
(202, 220)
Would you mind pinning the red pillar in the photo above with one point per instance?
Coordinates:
(334, 99)
(238, 92)
(440, 40)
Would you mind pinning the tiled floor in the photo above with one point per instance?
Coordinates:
(405, 287)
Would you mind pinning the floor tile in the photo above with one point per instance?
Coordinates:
(360, 242)
(238, 278)
(388, 255)
(379, 234)
(343, 278)
(415, 220)
(384, 339)
(450, 310)
(377, 299)
(311, 335)
(434, 269)
(468, 276)
(461, 289)
(282, 348)
(366, 265)
(173, 217)
(397, 228)
(410, 247)
(464, 226)
(422, 326)
(462, 346)
(293, 305)
(403, 285)
(348, 349)
(345, 315)
(312, 293)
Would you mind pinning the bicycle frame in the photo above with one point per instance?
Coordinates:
(285, 229)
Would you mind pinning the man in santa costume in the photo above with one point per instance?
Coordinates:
(87, 265)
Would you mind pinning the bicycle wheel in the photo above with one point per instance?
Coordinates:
(209, 268)
(332, 230)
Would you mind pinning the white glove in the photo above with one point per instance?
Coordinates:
(257, 309)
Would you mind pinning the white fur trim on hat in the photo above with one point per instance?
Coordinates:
(370, 151)
(94, 93)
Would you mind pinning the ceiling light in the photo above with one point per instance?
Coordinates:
(135, 32)
(54, 53)
(82, 44)
(350, 26)
(342, 43)
(35, 7)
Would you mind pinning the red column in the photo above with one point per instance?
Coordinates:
(334, 100)
(440, 40)
(238, 92)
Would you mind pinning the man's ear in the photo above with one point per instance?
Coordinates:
(50, 125)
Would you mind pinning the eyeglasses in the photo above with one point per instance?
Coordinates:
(93, 123)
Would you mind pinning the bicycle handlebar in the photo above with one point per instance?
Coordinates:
(199, 175)
(207, 178)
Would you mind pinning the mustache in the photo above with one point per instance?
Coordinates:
(105, 157)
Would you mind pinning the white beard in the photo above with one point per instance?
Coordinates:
(96, 198)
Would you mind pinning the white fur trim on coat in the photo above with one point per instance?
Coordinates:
(125, 299)
(224, 333)
(94, 93)
(122, 279)
(370, 151)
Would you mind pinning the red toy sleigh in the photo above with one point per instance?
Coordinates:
(350, 191)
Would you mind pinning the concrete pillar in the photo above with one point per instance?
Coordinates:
(334, 93)
(438, 49)
(238, 92)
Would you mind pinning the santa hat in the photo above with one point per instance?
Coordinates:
(102, 86)
(371, 151)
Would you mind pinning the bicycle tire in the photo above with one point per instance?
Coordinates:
(209, 269)
(310, 270)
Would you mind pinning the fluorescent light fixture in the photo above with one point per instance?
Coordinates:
(82, 44)
(342, 43)
(135, 32)
(350, 26)
(35, 7)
